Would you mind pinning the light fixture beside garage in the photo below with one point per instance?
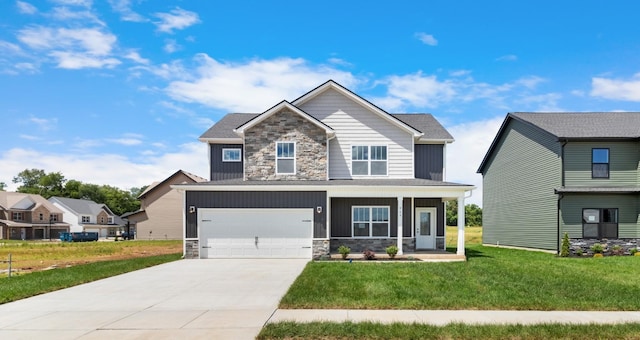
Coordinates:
(192, 209)
(319, 209)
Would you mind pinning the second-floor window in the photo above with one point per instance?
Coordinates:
(18, 216)
(285, 157)
(599, 163)
(231, 155)
(41, 217)
(110, 220)
(53, 218)
(369, 160)
(86, 219)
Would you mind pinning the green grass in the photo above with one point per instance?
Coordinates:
(492, 278)
(23, 286)
(367, 330)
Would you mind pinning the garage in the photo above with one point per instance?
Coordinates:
(255, 233)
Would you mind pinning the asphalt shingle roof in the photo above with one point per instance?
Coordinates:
(585, 124)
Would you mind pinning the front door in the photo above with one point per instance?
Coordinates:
(425, 228)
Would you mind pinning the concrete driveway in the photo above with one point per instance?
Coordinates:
(187, 299)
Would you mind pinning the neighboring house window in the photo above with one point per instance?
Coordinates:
(86, 219)
(231, 155)
(599, 163)
(101, 219)
(18, 216)
(41, 216)
(285, 157)
(369, 160)
(53, 217)
(110, 220)
(370, 221)
(600, 223)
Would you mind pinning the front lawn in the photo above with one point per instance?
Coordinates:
(492, 278)
(367, 330)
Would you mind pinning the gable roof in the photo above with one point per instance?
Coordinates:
(223, 130)
(431, 129)
(81, 207)
(573, 125)
(154, 185)
(330, 84)
(277, 108)
(9, 200)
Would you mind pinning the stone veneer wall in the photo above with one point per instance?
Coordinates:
(191, 249)
(358, 245)
(320, 249)
(585, 244)
(260, 148)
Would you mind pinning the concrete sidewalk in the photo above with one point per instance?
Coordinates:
(443, 317)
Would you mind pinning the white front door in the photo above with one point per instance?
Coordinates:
(425, 228)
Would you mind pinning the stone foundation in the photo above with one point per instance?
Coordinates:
(577, 244)
(191, 249)
(378, 245)
(320, 249)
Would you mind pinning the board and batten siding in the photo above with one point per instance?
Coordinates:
(225, 170)
(519, 203)
(429, 160)
(354, 124)
(623, 164)
(628, 209)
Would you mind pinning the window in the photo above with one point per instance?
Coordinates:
(231, 155)
(110, 220)
(18, 216)
(41, 216)
(285, 157)
(86, 219)
(101, 219)
(600, 223)
(53, 218)
(369, 160)
(599, 163)
(370, 221)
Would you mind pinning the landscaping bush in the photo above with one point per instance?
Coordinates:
(344, 251)
(369, 254)
(392, 251)
(564, 252)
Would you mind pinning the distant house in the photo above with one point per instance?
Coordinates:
(160, 214)
(89, 216)
(546, 174)
(28, 217)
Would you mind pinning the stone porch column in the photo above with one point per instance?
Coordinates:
(460, 225)
(399, 245)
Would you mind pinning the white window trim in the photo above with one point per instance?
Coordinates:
(82, 219)
(232, 160)
(110, 220)
(368, 160)
(370, 207)
(295, 152)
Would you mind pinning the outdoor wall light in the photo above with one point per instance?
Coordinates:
(192, 209)
(319, 209)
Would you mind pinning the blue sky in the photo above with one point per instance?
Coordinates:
(117, 92)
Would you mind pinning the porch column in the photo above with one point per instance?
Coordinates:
(460, 225)
(399, 245)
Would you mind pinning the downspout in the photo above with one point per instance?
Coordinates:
(560, 196)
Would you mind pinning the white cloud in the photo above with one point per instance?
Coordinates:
(459, 73)
(121, 171)
(125, 141)
(541, 102)
(64, 14)
(225, 85)
(472, 140)
(82, 3)
(170, 46)
(9, 48)
(508, 57)
(44, 123)
(418, 90)
(123, 7)
(176, 19)
(616, 89)
(75, 61)
(135, 56)
(427, 39)
(25, 7)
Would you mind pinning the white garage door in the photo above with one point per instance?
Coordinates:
(276, 233)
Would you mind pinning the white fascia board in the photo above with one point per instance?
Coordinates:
(434, 141)
(240, 130)
(221, 140)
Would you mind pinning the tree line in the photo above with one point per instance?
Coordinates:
(37, 181)
(472, 214)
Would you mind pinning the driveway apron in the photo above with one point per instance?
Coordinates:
(195, 299)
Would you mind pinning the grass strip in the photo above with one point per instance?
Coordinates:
(23, 286)
(492, 278)
(368, 330)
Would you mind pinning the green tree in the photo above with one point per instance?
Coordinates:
(472, 214)
(3, 185)
(37, 181)
(72, 189)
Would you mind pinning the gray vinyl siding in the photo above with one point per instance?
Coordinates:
(428, 161)
(439, 205)
(224, 170)
(341, 215)
(571, 207)
(623, 164)
(257, 199)
(355, 124)
(519, 204)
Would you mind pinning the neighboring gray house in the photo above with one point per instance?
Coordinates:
(327, 169)
(550, 173)
(89, 216)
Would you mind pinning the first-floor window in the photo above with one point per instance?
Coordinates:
(285, 158)
(370, 221)
(600, 223)
(86, 219)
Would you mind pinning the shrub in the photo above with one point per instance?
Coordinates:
(633, 251)
(579, 251)
(597, 248)
(392, 251)
(564, 252)
(617, 250)
(369, 254)
(344, 251)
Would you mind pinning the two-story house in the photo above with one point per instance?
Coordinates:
(28, 217)
(160, 215)
(546, 174)
(88, 216)
(327, 169)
